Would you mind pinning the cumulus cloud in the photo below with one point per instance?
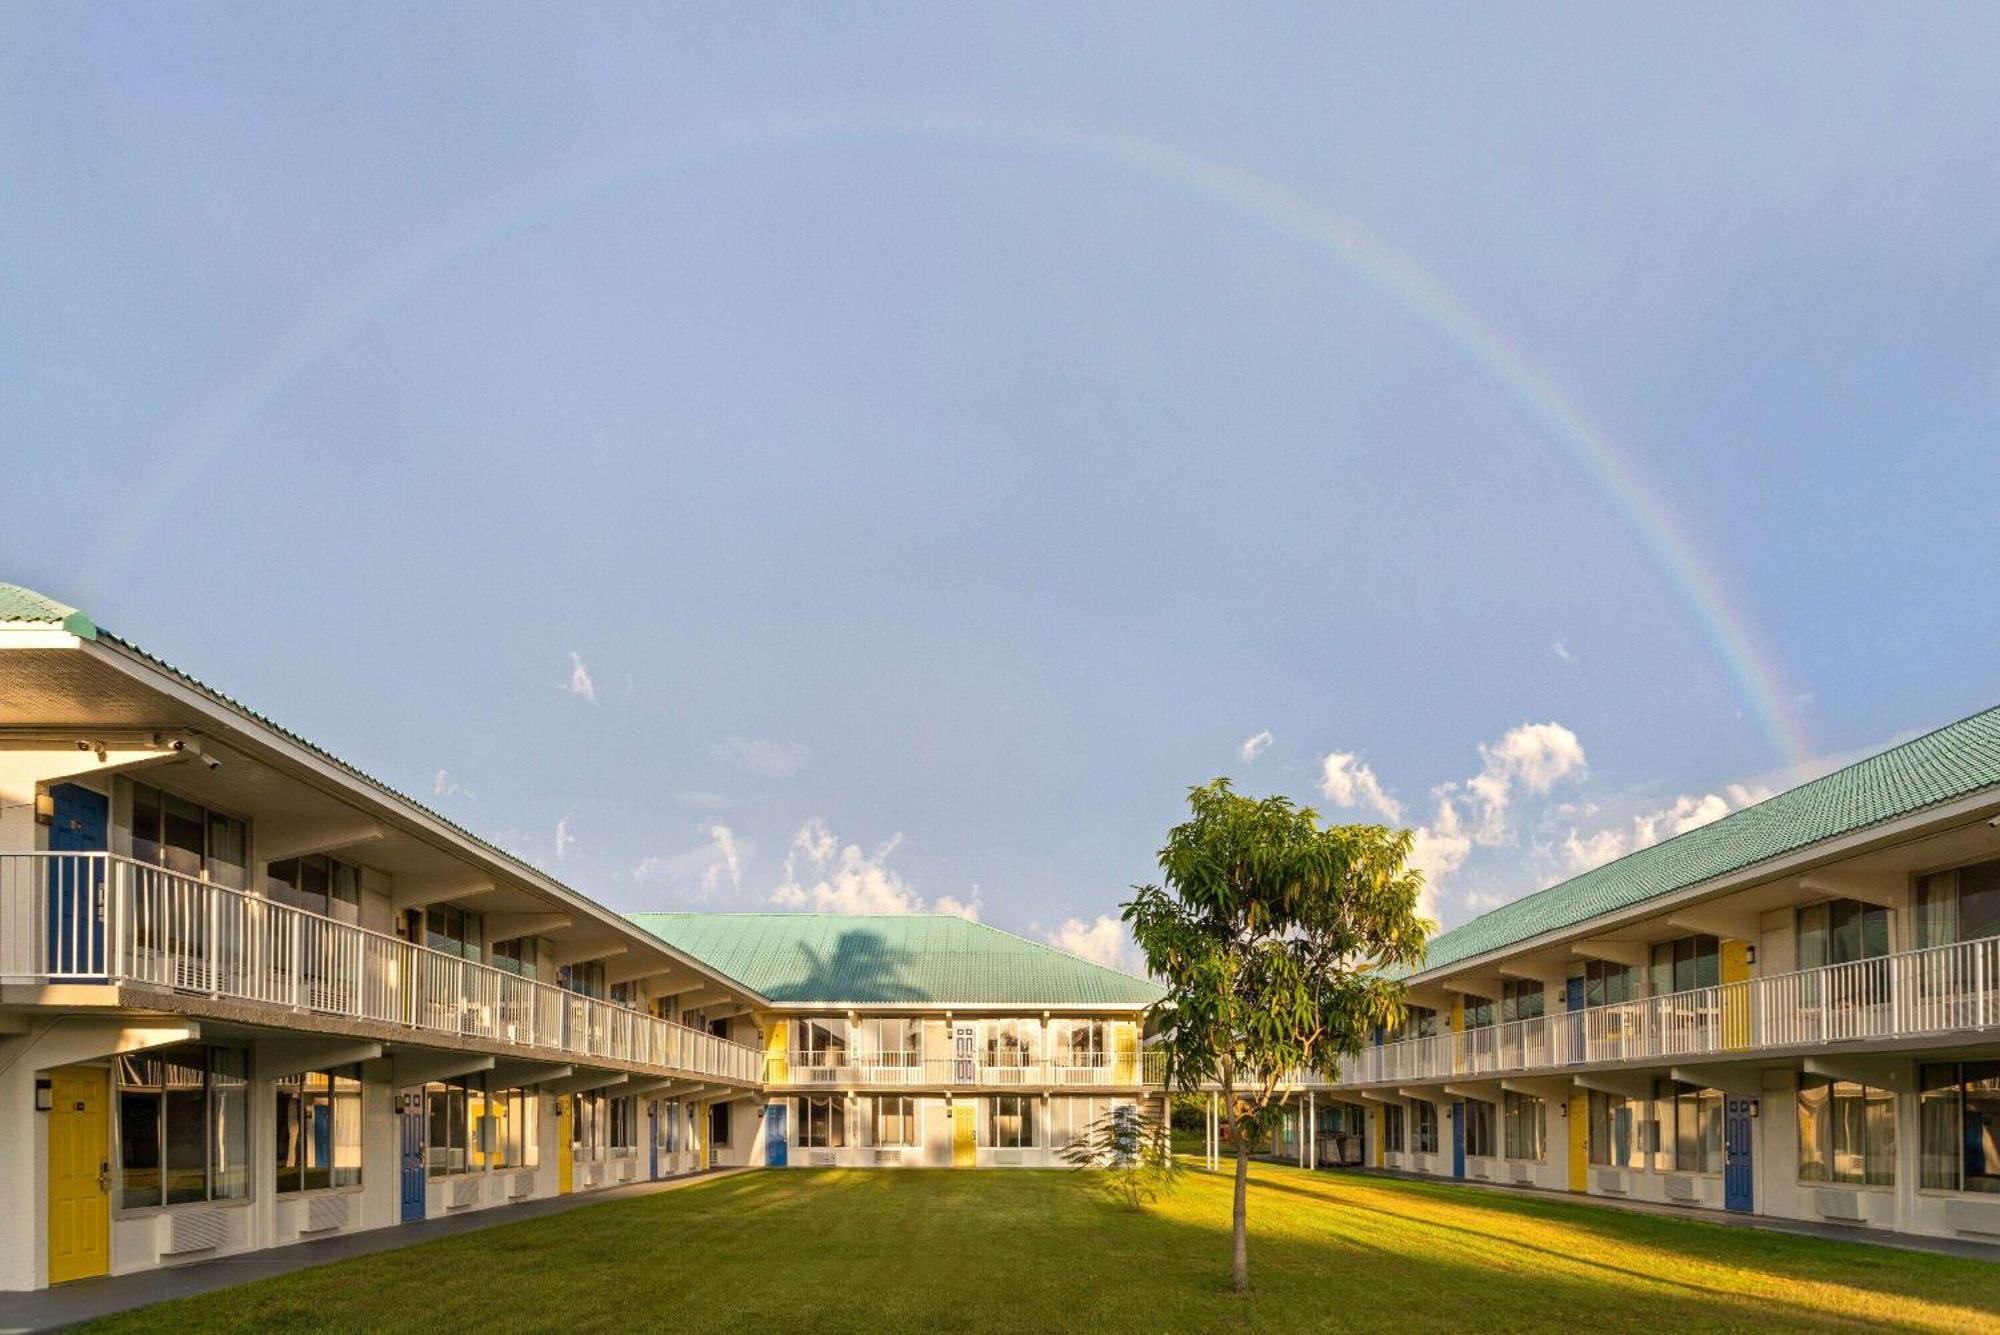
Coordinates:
(1347, 782)
(1101, 941)
(698, 872)
(563, 837)
(1580, 852)
(446, 786)
(1255, 746)
(1532, 757)
(764, 758)
(580, 684)
(828, 876)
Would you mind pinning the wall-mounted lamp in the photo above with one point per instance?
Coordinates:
(45, 808)
(1562, 1109)
(1756, 1106)
(45, 1095)
(1749, 954)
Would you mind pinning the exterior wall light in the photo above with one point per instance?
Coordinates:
(45, 808)
(45, 1097)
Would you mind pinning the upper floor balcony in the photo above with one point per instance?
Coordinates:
(1940, 994)
(980, 1070)
(105, 919)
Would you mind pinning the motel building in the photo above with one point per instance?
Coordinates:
(1794, 1011)
(250, 996)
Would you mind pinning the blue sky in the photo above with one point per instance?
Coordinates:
(849, 457)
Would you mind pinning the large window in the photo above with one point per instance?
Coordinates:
(1392, 1128)
(183, 1126)
(186, 837)
(1690, 1122)
(1842, 931)
(892, 1120)
(1526, 1125)
(319, 1130)
(1617, 1131)
(1010, 1122)
(1080, 1043)
(1847, 1132)
(821, 1043)
(512, 1135)
(823, 1123)
(1481, 1140)
(453, 931)
(891, 1041)
(448, 1106)
(624, 1132)
(1958, 905)
(1606, 983)
(1961, 1126)
(1418, 1022)
(1070, 1120)
(1686, 964)
(321, 885)
(1478, 1012)
(517, 956)
(1423, 1127)
(1011, 1042)
(718, 1126)
(1520, 999)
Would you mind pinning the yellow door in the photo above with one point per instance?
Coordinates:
(1736, 994)
(79, 1173)
(777, 1055)
(964, 1140)
(1579, 1142)
(565, 1151)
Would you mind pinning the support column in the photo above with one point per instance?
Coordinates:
(1312, 1130)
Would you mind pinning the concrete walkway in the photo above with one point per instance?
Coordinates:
(88, 1299)
(1909, 1242)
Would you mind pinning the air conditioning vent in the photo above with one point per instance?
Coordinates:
(464, 1192)
(1524, 1172)
(1680, 1187)
(888, 1156)
(1842, 1205)
(325, 1212)
(1610, 1179)
(520, 1185)
(1007, 1158)
(823, 1159)
(199, 1230)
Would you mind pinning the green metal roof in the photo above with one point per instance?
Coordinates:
(25, 606)
(839, 959)
(1955, 761)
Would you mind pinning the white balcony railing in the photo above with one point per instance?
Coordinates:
(986, 1070)
(1942, 992)
(99, 917)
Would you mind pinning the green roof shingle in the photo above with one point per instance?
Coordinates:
(1955, 761)
(25, 606)
(839, 959)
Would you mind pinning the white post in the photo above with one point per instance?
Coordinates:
(1312, 1130)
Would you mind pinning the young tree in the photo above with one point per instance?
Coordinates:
(1275, 937)
(1128, 1153)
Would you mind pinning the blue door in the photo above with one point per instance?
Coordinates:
(412, 1120)
(1458, 1140)
(774, 1135)
(76, 914)
(1738, 1175)
(1573, 1002)
(653, 1139)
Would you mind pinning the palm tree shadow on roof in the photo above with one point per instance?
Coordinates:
(862, 967)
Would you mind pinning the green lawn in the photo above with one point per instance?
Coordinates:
(1020, 1252)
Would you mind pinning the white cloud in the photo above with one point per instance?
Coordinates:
(446, 786)
(1345, 780)
(580, 684)
(1437, 850)
(700, 871)
(1561, 650)
(1103, 941)
(827, 876)
(1533, 756)
(1255, 746)
(1581, 852)
(768, 759)
(563, 837)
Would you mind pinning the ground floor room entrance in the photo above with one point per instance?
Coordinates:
(79, 1123)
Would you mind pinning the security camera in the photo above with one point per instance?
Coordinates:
(210, 761)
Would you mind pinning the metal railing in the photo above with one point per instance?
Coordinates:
(984, 1070)
(1941, 991)
(101, 917)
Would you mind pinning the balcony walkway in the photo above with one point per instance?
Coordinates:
(89, 1299)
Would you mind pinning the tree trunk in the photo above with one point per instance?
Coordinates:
(1239, 1275)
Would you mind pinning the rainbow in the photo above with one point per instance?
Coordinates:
(191, 448)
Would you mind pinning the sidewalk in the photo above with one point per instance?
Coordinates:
(1909, 1242)
(88, 1299)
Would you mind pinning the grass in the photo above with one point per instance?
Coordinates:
(1021, 1251)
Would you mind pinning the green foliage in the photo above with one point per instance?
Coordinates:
(1128, 1154)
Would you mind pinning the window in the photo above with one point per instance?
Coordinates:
(1011, 1042)
(821, 1043)
(1847, 1132)
(1520, 999)
(319, 1130)
(1418, 1022)
(1606, 983)
(316, 884)
(586, 980)
(1961, 1126)
(1478, 1012)
(823, 1123)
(1392, 1128)
(1686, 964)
(518, 956)
(621, 994)
(1841, 931)
(624, 1125)
(1690, 1128)
(1070, 1120)
(1959, 905)
(1079, 1043)
(188, 838)
(1526, 1125)
(892, 1120)
(183, 1126)
(718, 1125)
(1423, 1127)
(453, 931)
(892, 1042)
(1616, 1130)
(447, 1109)
(1010, 1122)
(1480, 1141)
(513, 1132)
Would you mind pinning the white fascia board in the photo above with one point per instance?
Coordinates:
(352, 788)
